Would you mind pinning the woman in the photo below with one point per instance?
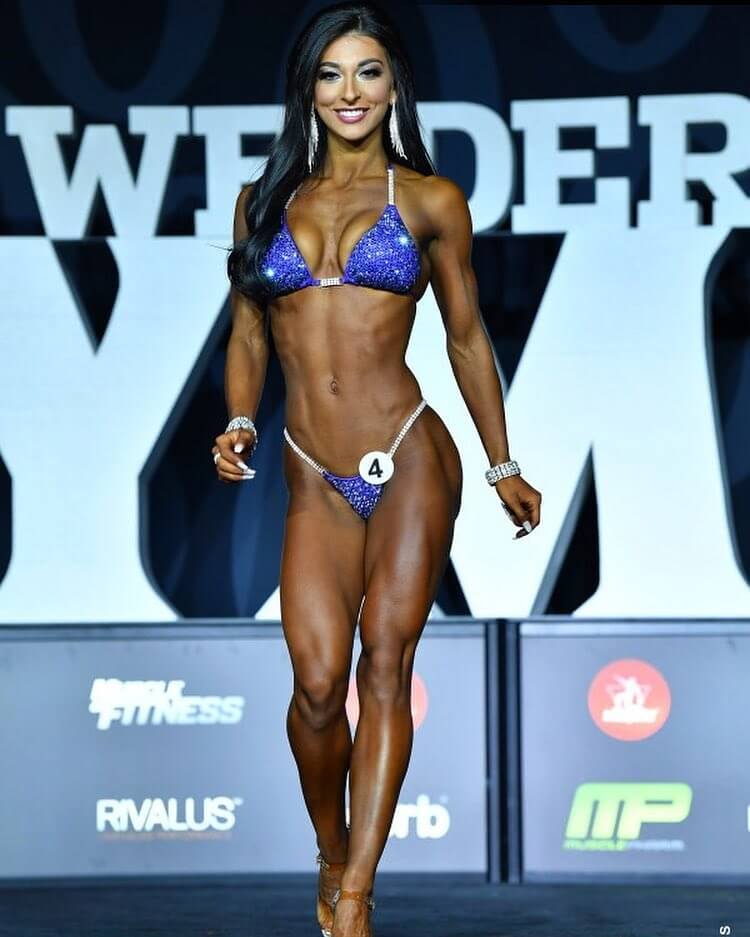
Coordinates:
(333, 246)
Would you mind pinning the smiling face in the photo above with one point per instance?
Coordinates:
(353, 86)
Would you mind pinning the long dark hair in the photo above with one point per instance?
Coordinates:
(287, 160)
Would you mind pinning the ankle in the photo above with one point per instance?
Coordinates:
(357, 881)
(334, 851)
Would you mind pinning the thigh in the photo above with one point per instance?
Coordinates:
(321, 581)
(409, 536)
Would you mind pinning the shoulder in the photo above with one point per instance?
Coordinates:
(438, 200)
(443, 199)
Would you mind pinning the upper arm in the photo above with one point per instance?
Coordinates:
(248, 319)
(239, 228)
(452, 279)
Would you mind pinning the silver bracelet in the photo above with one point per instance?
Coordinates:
(502, 470)
(243, 422)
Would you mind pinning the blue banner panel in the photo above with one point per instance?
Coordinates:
(633, 749)
(156, 750)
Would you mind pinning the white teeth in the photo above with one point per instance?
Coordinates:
(353, 113)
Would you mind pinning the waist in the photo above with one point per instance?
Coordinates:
(345, 427)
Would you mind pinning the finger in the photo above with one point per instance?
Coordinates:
(517, 512)
(242, 440)
(224, 445)
(529, 510)
(230, 467)
(534, 511)
(230, 475)
(523, 515)
(510, 514)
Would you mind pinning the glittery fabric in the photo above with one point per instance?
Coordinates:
(386, 257)
(361, 494)
(283, 266)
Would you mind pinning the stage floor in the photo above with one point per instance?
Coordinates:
(407, 906)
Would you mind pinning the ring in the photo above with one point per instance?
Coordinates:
(217, 456)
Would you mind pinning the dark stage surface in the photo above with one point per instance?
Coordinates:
(407, 906)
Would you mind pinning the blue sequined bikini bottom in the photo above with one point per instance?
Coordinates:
(362, 495)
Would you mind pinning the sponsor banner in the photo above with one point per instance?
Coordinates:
(161, 755)
(144, 702)
(632, 752)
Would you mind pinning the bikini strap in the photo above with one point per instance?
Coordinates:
(302, 454)
(391, 187)
(406, 427)
(289, 200)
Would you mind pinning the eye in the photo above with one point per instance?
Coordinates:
(372, 71)
(324, 75)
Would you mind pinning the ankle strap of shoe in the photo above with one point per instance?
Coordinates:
(356, 895)
(323, 863)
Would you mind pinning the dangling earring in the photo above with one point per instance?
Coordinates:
(312, 139)
(396, 143)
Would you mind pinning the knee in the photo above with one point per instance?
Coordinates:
(384, 673)
(320, 697)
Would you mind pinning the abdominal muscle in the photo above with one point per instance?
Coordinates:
(349, 390)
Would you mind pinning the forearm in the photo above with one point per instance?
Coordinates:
(474, 368)
(244, 375)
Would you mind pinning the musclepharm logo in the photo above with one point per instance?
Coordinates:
(431, 821)
(170, 816)
(157, 702)
(609, 816)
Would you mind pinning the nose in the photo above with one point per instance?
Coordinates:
(350, 91)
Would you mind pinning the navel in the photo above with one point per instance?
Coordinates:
(333, 385)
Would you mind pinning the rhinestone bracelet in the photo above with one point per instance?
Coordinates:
(502, 470)
(243, 422)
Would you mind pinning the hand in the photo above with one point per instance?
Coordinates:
(521, 503)
(230, 465)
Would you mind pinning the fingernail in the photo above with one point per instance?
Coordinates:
(527, 526)
(242, 465)
(238, 447)
(245, 477)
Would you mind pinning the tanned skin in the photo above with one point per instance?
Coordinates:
(349, 390)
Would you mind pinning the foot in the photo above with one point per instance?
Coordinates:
(329, 882)
(351, 917)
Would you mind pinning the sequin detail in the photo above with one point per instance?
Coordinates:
(386, 257)
(284, 266)
(361, 494)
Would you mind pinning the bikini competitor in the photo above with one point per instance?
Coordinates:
(333, 246)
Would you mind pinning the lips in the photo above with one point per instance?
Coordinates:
(351, 115)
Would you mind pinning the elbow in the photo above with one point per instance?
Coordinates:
(465, 345)
(249, 343)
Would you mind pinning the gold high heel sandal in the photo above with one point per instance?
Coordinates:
(325, 908)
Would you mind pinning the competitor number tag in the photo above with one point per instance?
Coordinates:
(376, 467)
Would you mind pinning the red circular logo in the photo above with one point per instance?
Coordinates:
(629, 700)
(419, 701)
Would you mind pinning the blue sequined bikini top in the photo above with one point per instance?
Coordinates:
(386, 257)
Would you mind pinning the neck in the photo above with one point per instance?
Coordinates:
(343, 166)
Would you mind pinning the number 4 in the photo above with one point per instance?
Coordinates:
(375, 468)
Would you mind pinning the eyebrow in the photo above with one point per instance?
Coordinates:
(359, 64)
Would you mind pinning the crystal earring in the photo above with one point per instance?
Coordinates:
(312, 139)
(396, 143)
